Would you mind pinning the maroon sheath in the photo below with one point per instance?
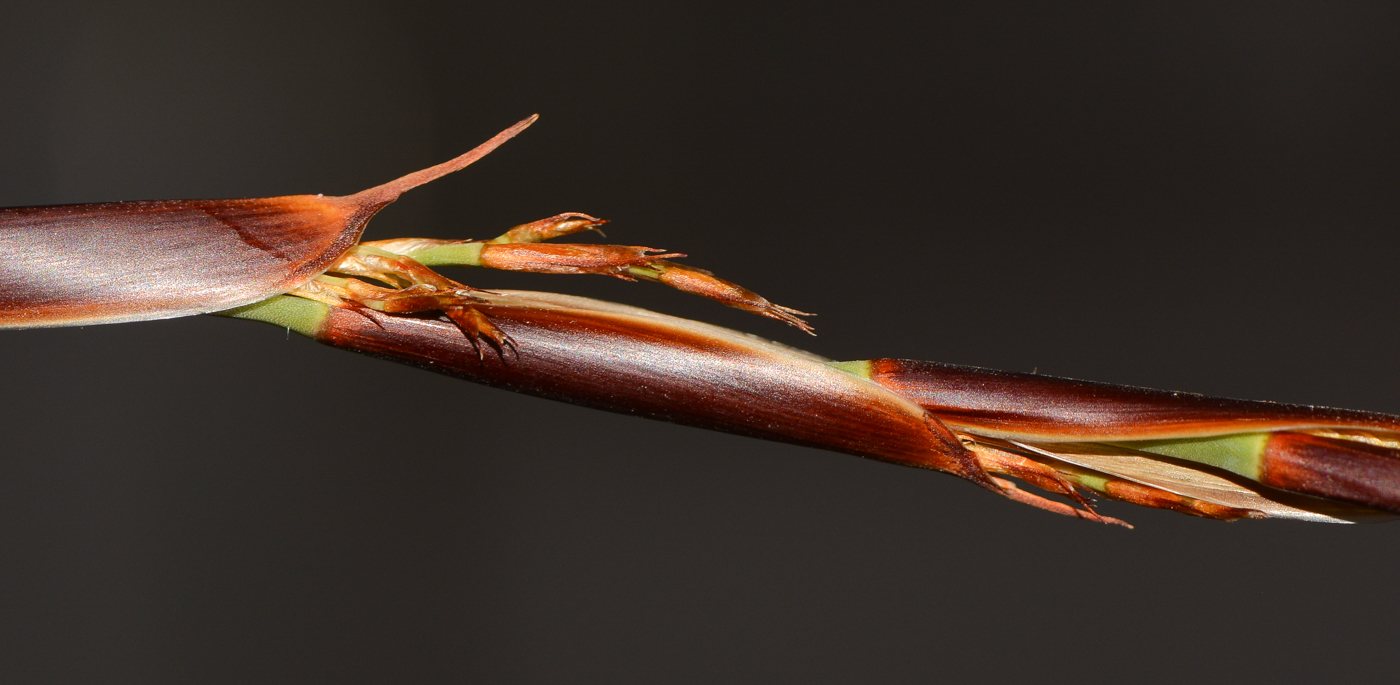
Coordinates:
(1030, 406)
(72, 265)
(669, 369)
(133, 261)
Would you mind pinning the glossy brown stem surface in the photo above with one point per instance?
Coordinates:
(1031, 406)
(636, 362)
(1344, 470)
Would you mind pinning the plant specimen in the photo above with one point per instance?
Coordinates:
(298, 262)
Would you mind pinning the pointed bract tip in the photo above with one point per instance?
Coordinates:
(384, 194)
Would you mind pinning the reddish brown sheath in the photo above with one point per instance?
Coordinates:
(133, 261)
(1344, 470)
(633, 361)
(1023, 406)
(564, 258)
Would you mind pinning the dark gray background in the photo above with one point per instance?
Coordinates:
(1190, 197)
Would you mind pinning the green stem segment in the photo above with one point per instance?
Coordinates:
(1242, 453)
(859, 369)
(459, 254)
(285, 311)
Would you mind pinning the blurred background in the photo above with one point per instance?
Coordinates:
(1179, 195)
